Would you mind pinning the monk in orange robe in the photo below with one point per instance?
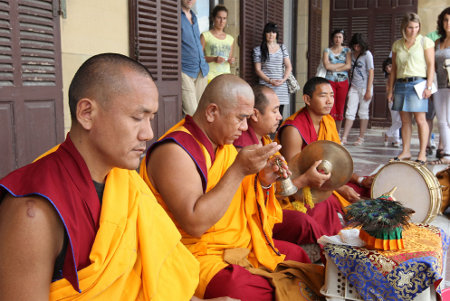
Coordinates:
(310, 124)
(222, 201)
(79, 223)
(297, 227)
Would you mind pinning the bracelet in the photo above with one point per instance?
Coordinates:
(265, 187)
(360, 180)
(269, 80)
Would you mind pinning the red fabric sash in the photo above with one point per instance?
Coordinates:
(63, 178)
(303, 123)
(191, 146)
(247, 138)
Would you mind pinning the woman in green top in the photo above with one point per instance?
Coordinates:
(412, 63)
(218, 45)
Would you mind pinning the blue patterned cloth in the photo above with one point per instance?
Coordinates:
(400, 277)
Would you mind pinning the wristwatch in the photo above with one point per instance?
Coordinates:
(429, 88)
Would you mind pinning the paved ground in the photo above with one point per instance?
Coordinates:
(372, 155)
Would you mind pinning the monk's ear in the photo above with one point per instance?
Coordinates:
(211, 112)
(86, 110)
(307, 99)
(256, 115)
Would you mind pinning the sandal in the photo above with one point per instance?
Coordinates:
(440, 153)
(421, 162)
(359, 142)
(344, 141)
(400, 159)
(442, 160)
(429, 151)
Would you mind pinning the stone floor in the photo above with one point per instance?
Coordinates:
(372, 155)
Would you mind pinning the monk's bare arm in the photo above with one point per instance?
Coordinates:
(31, 236)
(291, 141)
(175, 176)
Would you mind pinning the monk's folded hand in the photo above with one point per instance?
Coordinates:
(251, 159)
(348, 193)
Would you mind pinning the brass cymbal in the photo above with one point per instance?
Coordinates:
(335, 159)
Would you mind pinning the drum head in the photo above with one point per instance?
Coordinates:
(412, 189)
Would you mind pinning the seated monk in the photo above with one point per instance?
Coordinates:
(222, 201)
(297, 227)
(80, 223)
(310, 124)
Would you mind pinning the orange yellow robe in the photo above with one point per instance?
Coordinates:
(241, 226)
(136, 253)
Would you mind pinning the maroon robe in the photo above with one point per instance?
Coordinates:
(63, 178)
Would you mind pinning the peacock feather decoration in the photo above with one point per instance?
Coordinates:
(381, 220)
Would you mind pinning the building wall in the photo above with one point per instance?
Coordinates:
(302, 42)
(302, 48)
(89, 28)
(233, 30)
(428, 11)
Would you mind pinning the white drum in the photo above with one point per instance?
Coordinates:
(417, 188)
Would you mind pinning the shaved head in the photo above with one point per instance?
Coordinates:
(261, 97)
(100, 77)
(225, 90)
(224, 109)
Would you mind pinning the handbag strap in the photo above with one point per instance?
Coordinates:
(353, 70)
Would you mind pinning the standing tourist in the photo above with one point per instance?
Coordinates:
(194, 69)
(361, 87)
(272, 64)
(218, 45)
(337, 61)
(392, 135)
(412, 63)
(442, 96)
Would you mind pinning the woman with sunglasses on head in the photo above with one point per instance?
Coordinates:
(272, 64)
(217, 44)
(337, 61)
(412, 63)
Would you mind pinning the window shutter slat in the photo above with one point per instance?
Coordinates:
(6, 53)
(37, 43)
(314, 37)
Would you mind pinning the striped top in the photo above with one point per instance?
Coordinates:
(273, 67)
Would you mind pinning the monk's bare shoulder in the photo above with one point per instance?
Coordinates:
(291, 141)
(175, 176)
(31, 235)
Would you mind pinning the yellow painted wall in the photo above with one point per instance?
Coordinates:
(428, 11)
(302, 49)
(233, 29)
(90, 27)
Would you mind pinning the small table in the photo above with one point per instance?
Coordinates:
(410, 274)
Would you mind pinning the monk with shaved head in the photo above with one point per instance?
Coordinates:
(222, 201)
(79, 223)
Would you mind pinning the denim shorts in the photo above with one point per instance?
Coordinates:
(406, 99)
